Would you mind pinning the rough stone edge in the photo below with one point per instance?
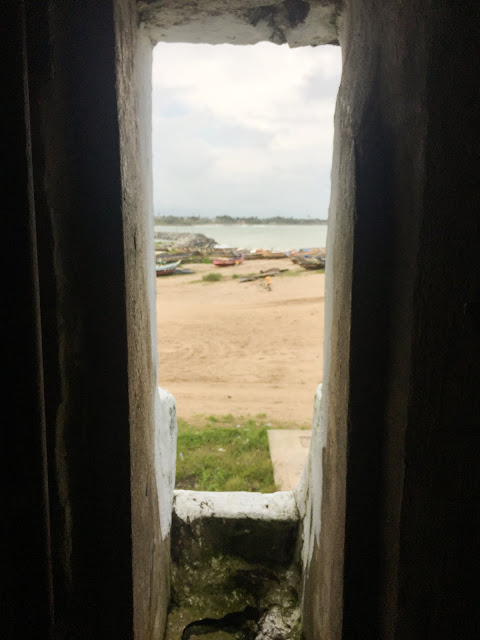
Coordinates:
(311, 483)
(242, 23)
(165, 455)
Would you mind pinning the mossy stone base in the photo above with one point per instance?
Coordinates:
(234, 579)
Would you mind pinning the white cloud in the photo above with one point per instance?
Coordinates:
(243, 130)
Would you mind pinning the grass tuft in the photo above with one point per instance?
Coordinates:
(224, 459)
(212, 277)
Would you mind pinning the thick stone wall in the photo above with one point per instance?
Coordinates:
(78, 200)
(400, 396)
(152, 411)
(91, 433)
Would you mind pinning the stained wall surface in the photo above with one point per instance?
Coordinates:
(297, 22)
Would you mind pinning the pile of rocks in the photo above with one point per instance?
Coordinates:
(184, 240)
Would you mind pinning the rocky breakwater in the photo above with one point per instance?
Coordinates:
(188, 247)
(184, 240)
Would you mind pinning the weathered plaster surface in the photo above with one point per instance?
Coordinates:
(323, 549)
(310, 485)
(295, 22)
(152, 410)
(192, 505)
(165, 455)
(320, 516)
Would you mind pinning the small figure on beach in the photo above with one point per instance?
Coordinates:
(268, 283)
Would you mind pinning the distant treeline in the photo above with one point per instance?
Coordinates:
(195, 220)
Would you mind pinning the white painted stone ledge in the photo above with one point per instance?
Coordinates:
(235, 505)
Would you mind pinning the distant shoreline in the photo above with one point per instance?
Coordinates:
(193, 221)
(273, 237)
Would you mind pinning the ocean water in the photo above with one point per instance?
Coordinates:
(273, 237)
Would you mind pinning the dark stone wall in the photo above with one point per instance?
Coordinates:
(84, 553)
(439, 551)
(151, 539)
(78, 197)
(75, 380)
(25, 577)
(407, 215)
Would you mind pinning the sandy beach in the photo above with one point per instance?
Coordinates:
(230, 347)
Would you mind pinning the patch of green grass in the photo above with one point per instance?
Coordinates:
(226, 453)
(235, 276)
(212, 277)
(224, 459)
(202, 421)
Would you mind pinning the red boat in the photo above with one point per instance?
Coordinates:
(230, 261)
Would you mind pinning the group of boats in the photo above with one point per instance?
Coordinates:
(168, 268)
(309, 262)
(306, 258)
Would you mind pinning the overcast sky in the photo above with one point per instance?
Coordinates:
(245, 131)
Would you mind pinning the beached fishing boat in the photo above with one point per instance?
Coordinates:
(229, 261)
(309, 258)
(311, 263)
(166, 269)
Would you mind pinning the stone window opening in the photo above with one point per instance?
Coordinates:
(184, 131)
(240, 554)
